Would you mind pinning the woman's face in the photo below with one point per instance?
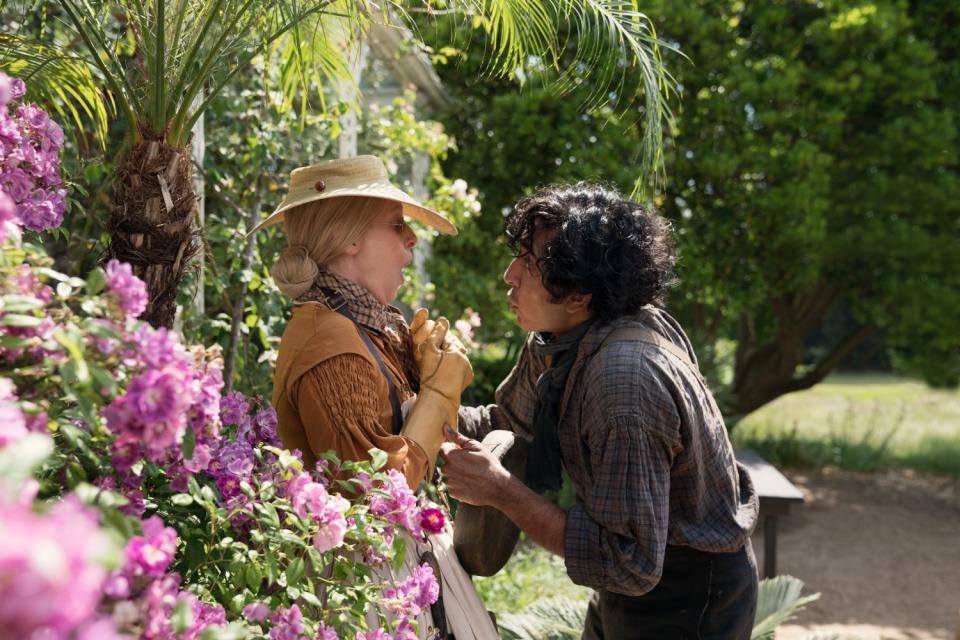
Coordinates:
(377, 260)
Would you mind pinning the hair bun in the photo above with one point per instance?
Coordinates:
(295, 271)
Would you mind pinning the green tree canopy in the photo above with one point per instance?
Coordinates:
(813, 165)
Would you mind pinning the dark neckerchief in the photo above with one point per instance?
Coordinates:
(544, 462)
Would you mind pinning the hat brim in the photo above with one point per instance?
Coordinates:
(411, 208)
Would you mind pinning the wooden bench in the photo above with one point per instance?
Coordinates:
(776, 494)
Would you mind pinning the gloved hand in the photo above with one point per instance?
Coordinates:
(432, 344)
(445, 372)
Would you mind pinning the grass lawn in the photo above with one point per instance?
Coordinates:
(860, 422)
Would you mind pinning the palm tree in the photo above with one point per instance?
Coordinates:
(186, 51)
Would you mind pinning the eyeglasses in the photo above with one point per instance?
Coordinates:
(399, 227)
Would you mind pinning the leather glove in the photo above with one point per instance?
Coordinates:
(445, 372)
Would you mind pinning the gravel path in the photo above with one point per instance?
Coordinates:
(883, 550)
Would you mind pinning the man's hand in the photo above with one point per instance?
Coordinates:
(473, 474)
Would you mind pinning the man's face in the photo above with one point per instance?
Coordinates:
(529, 299)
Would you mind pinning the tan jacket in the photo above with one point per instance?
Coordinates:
(330, 394)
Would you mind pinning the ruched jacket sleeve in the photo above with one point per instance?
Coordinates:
(338, 406)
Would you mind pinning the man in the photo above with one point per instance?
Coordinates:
(607, 388)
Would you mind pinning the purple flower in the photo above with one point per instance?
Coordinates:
(287, 624)
(233, 408)
(102, 628)
(42, 210)
(376, 634)
(326, 633)
(17, 89)
(151, 553)
(159, 599)
(414, 594)
(33, 115)
(256, 612)
(129, 290)
(431, 520)
(157, 396)
(200, 459)
(400, 507)
(204, 616)
(6, 91)
(17, 183)
(266, 421)
(50, 577)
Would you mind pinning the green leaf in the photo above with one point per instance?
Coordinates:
(182, 616)
(399, 552)
(778, 600)
(14, 303)
(295, 571)
(189, 442)
(254, 576)
(96, 281)
(288, 536)
(310, 598)
(233, 631)
(13, 342)
(293, 593)
(19, 458)
(95, 496)
(378, 459)
(21, 321)
(181, 499)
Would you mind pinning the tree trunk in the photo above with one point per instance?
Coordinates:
(151, 224)
(765, 371)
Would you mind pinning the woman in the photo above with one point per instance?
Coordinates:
(347, 360)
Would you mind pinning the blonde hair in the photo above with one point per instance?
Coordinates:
(317, 232)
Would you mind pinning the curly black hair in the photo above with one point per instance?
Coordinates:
(600, 243)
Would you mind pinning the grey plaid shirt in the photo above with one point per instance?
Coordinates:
(646, 448)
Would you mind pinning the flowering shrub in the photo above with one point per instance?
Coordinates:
(30, 193)
(137, 502)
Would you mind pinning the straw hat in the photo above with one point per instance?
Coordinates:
(363, 176)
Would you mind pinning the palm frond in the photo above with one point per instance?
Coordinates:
(557, 618)
(320, 52)
(616, 45)
(59, 82)
(619, 42)
(778, 601)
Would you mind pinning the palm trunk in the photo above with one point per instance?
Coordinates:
(151, 225)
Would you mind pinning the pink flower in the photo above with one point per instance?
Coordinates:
(152, 553)
(432, 520)
(311, 498)
(200, 459)
(50, 577)
(256, 612)
(376, 634)
(8, 214)
(414, 594)
(331, 533)
(287, 624)
(326, 633)
(129, 290)
(400, 507)
(13, 425)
